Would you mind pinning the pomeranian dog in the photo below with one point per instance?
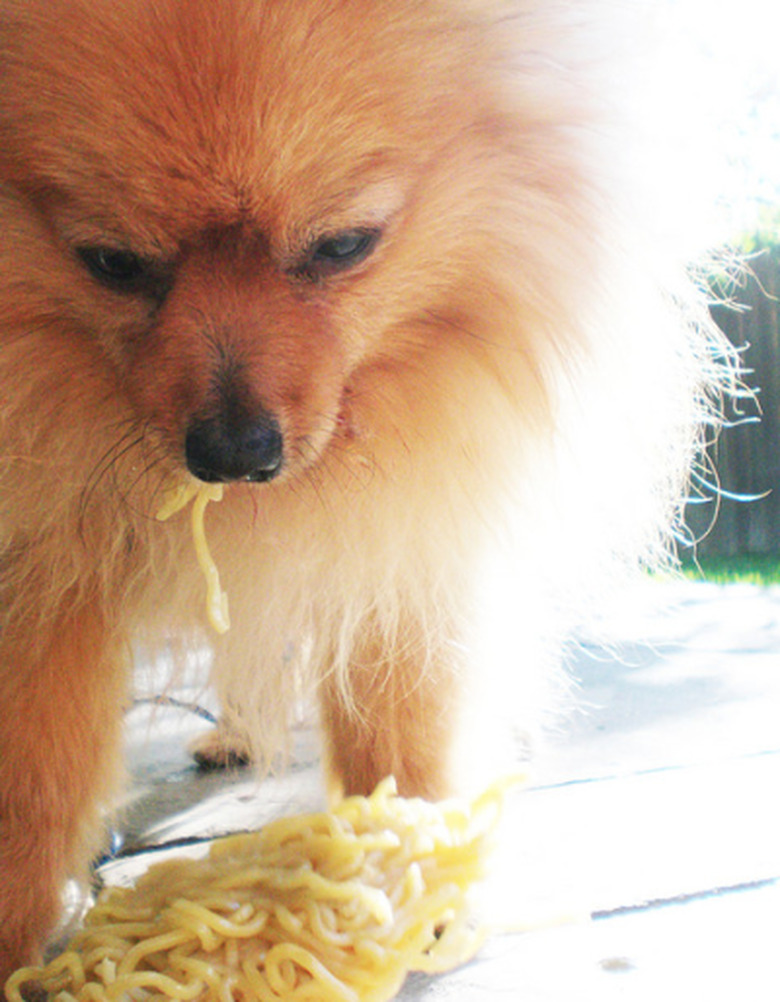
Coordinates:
(379, 268)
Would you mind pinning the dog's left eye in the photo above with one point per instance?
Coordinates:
(120, 270)
(339, 252)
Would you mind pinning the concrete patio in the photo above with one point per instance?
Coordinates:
(644, 857)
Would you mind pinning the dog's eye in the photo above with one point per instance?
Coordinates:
(120, 270)
(339, 252)
(349, 246)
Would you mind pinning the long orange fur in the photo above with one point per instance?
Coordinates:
(487, 416)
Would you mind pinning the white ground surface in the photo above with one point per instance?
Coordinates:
(652, 822)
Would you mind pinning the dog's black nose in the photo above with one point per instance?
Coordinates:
(222, 450)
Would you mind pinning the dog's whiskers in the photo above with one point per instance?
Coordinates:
(134, 440)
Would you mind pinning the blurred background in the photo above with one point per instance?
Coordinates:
(728, 55)
(733, 518)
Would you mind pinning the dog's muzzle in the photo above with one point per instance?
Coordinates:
(220, 450)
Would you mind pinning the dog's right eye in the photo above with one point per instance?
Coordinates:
(119, 270)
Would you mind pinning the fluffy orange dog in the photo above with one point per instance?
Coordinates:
(373, 265)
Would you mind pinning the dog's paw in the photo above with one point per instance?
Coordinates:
(220, 748)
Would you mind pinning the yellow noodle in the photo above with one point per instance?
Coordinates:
(330, 907)
(176, 499)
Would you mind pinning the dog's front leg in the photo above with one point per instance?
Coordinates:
(396, 715)
(61, 696)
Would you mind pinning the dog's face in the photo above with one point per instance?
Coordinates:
(240, 204)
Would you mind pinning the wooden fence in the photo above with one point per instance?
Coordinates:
(746, 456)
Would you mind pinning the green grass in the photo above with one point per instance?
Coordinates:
(761, 569)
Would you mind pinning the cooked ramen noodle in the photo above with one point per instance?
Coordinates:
(330, 907)
(178, 498)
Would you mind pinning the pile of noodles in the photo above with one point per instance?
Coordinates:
(330, 907)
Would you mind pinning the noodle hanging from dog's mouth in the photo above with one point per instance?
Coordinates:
(200, 494)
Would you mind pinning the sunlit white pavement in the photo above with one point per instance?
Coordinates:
(651, 818)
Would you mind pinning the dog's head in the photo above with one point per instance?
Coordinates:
(247, 207)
